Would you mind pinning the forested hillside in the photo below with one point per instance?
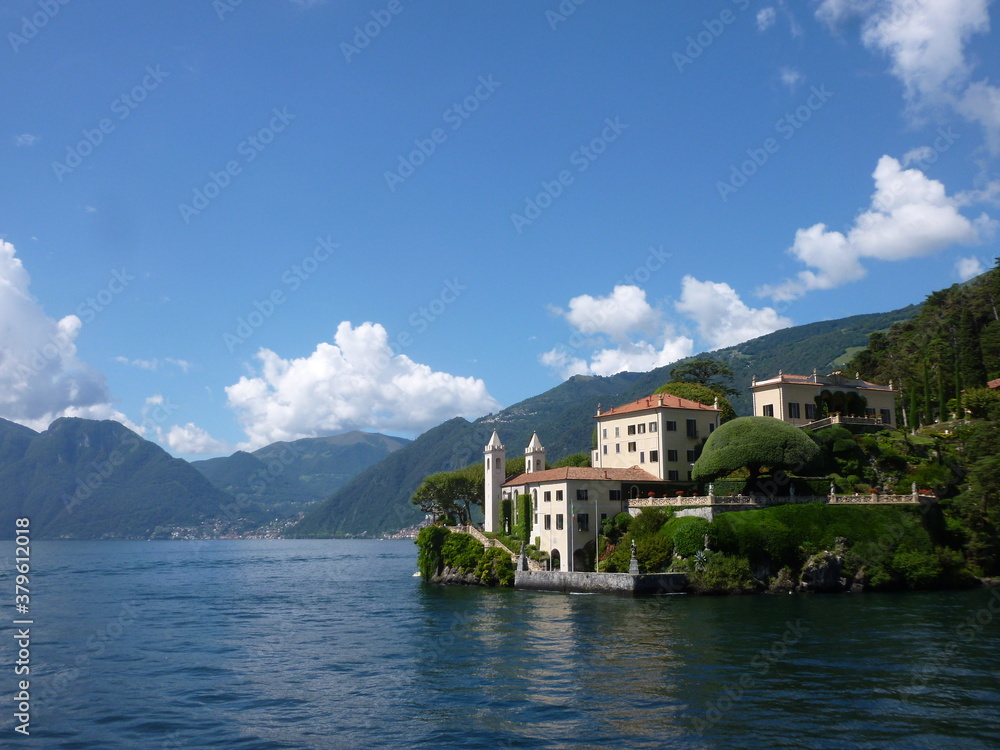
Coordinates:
(952, 345)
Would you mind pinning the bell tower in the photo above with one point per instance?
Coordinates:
(496, 472)
(534, 455)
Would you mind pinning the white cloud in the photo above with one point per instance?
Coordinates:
(925, 41)
(357, 382)
(723, 318)
(192, 439)
(41, 377)
(26, 140)
(641, 340)
(967, 268)
(640, 356)
(910, 216)
(155, 364)
(766, 18)
(791, 78)
(624, 312)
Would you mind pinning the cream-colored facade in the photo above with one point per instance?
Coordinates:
(569, 503)
(642, 447)
(659, 433)
(792, 398)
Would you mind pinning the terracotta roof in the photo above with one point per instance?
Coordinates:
(656, 401)
(821, 380)
(632, 474)
(994, 383)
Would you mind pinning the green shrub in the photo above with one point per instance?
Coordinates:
(429, 559)
(506, 514)
(462, 552)
(654, 553)
(495, 568)
(649, 522)
(689, 535)
(723, 574)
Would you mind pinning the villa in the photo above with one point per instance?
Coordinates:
(644, 448)
(803, 400)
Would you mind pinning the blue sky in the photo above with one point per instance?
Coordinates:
(228, 223)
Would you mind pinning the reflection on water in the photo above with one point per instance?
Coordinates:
(329, 644)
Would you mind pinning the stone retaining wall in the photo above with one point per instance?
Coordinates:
(625, 584)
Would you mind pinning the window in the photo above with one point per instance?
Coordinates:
(642, 457)
(614, 496)
(548, 522)
(631, 447)
(581, 496)
(671, 455)
(604, 517)
(690, 455)
(768, 410)
(641, 429)
(547, 497)
(604, 433)
(793, 410)
(692, 428)
(559, 521)
(689, 476)
(652, 426)
(535, 523)
(617, 432)
(583, 522)
(559, 496)
(886, 416)
(618, 447)
(654, 457)
(869, 412)
(672, 475)
(605, 449)
(671, 426)
(810, 411)
(631, 429)
(711, 428)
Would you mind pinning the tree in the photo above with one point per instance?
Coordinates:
(703, 394)
(708, 372)
(753, 443)
(451, 494)
(574, 459)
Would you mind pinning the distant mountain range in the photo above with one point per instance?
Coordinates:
(283, 477)
(85, 479)
(377, 499)
(92, 480)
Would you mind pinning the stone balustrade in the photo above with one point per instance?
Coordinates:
(765, 501)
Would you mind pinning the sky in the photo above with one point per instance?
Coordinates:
(228, 223)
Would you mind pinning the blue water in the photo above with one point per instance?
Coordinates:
(330, 644)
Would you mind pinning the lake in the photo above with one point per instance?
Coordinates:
(333, 644)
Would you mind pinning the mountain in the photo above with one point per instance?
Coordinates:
(377, 499)
(85, 479)
(284, 476)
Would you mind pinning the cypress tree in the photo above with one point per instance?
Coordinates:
(973, 372)
(928, 413)
(960, 408)
(942, 404)
(914, 417)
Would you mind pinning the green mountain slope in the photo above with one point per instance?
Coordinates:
(377, 499)
(86, 479)
(285, 476)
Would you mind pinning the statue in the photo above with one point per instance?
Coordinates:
(711, 489)
(633, 548)
(633, 564)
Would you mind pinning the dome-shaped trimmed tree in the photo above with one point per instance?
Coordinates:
(753, 443)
